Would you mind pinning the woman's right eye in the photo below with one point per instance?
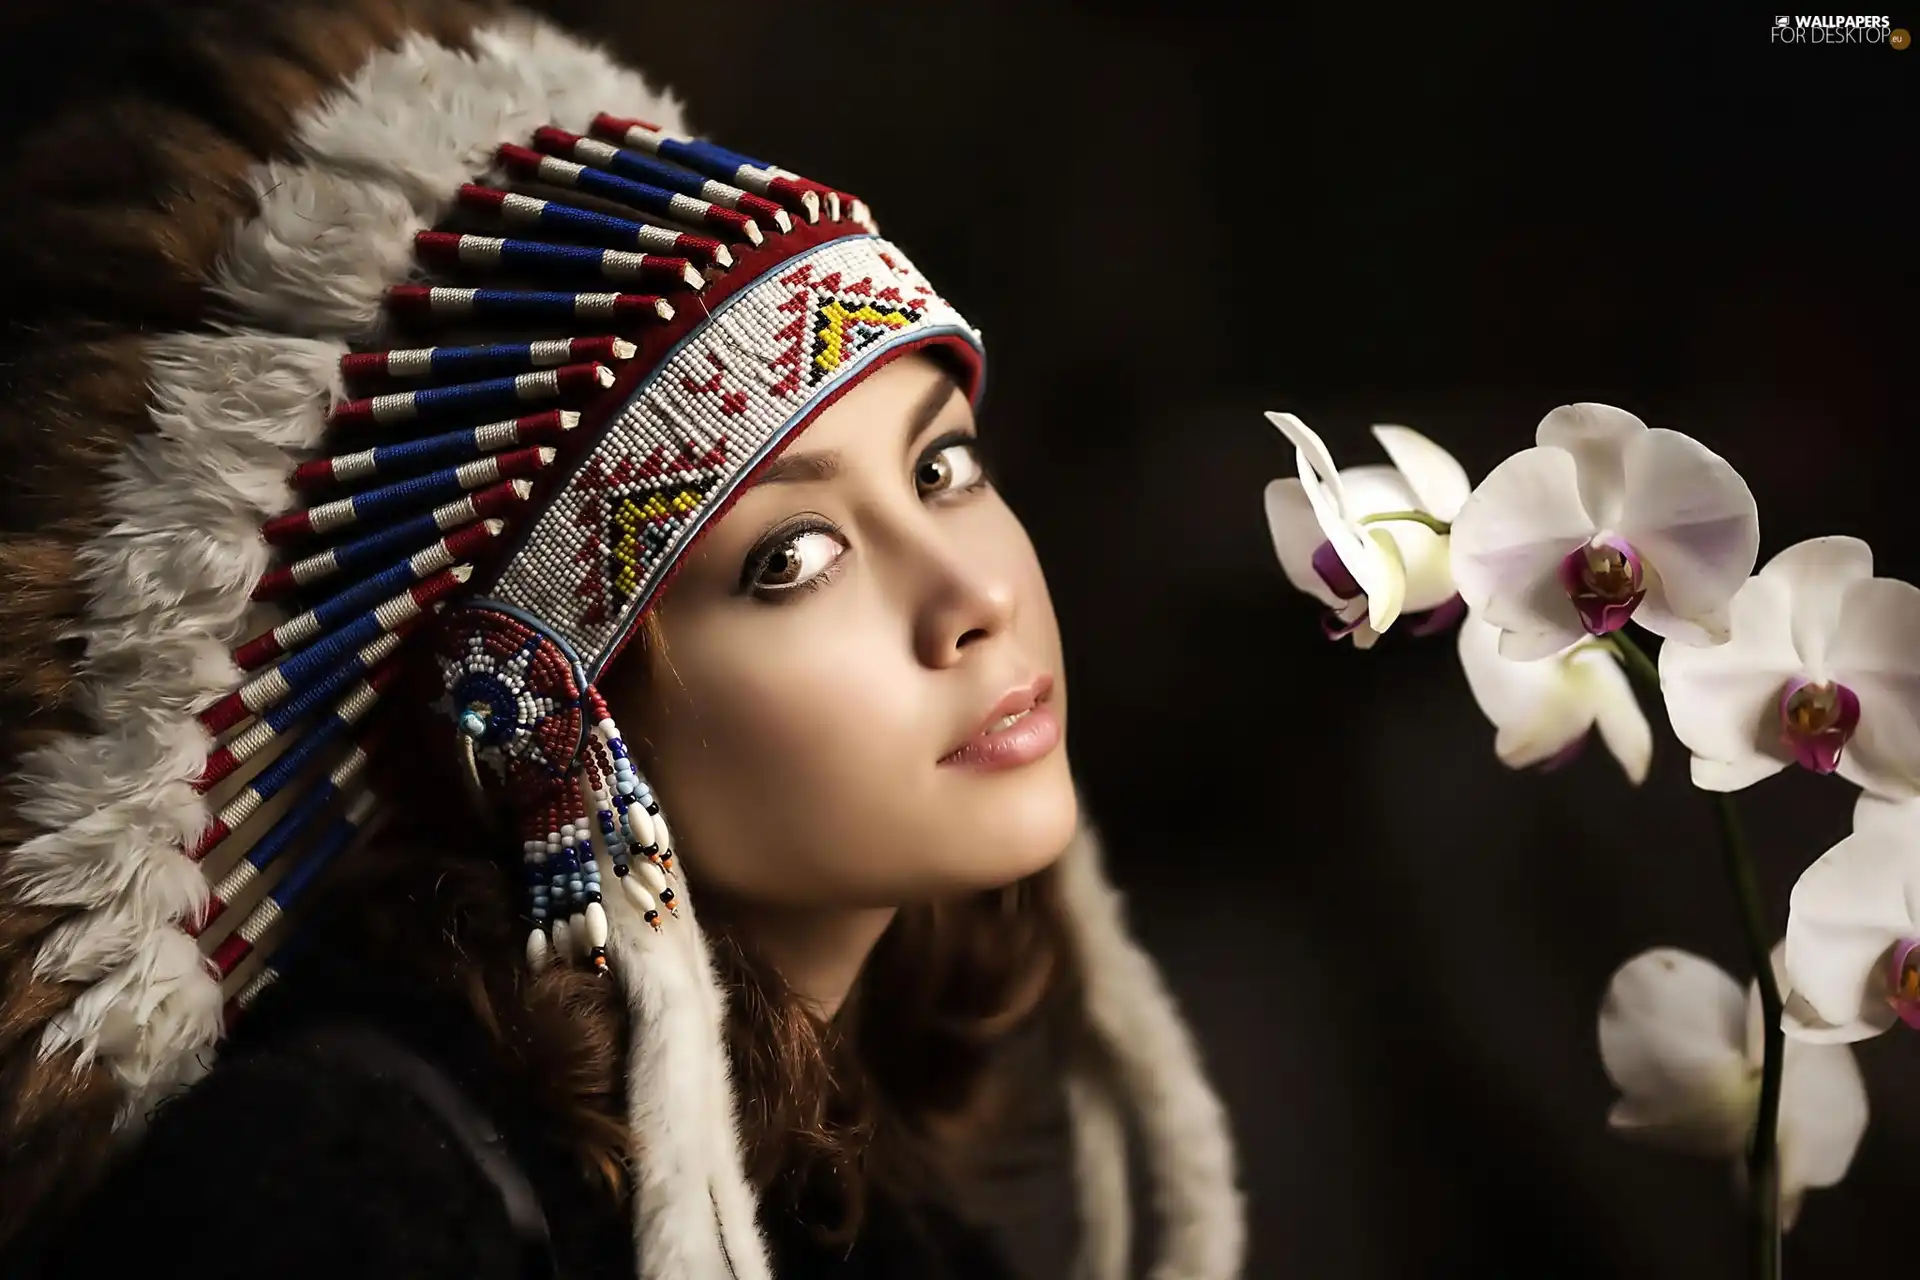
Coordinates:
(800, 561)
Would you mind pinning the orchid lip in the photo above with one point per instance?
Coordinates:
(1564, 756)
(1817, 720)
(1336, 627)
(1903, 981)
(1334, 572)
(1606, 582)
(1441, 616)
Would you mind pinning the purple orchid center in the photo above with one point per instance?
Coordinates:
(1605, 581)
(1903, 981)
(1564, 756)
(1816, 722)
(1333, 571)
(1441, 616)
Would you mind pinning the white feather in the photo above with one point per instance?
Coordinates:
(1156, 1065)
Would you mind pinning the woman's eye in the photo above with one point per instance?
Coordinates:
(956, 466)
(798, 561)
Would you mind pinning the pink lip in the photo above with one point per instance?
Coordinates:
(1026, 740)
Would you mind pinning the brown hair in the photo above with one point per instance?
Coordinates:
(886, 1094)
(123, 174)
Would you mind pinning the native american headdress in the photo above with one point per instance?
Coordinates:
(496, 340)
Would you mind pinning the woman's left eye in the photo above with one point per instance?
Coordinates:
(950, 467)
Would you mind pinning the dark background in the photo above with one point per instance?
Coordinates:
(1167, 222)
(1169, 219)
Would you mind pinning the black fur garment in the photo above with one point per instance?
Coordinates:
(287, 1163)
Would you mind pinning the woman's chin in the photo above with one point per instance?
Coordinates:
(1021, 825)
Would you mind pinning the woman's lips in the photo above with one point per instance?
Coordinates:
(1021, 728)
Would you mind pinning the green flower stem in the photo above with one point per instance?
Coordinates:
(1409, 517)
(1639, 666)
(1763, 1165)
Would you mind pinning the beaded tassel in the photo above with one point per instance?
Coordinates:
(269, 973)
(494, 358)
(360, 816)
(645, 169)
(729, 223)
(452, 440)
(454, 446)
(382, 503)
(440, 404)
(518, 306)
(292, 764)
(592, 226)
(493, 253)
(716, 162)
(404, 537)
(296, 822)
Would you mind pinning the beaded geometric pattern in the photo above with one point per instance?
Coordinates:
(455, 469)
(523, 681)
(699, 423)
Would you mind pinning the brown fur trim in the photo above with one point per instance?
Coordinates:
(125, 153)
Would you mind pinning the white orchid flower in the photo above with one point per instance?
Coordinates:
(1822, 669)
(1602, 521)
(1684, 1048)
(1543, 710)
(1367, 571)
(1853, 930)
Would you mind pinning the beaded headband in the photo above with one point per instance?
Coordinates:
(536, 495)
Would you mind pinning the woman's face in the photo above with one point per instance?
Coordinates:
(833, 649)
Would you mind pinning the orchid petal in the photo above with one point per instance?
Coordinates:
(1693, 519)
(1509, 539)
(1533, 708)
(1387, 592)
(1439, 483)
(1815, 575)
(1823, 1115)
(1823, 1100)
(1326, 493)
(1315, 459)
(1847, 910)
(1731, 775)
(1556, 724)
(1671, 1030)
(1875, 652)
(1616, 713)
(1535, 646)
(1375, 576)
(1597, 435)
(1296, 533)
(1723, 700)
(1802, 1022)
(1882, 818)
(1372, 490)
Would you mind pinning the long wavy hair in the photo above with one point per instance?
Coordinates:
(124, 152)
(883, 1095)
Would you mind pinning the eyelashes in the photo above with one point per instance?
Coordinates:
(804, 553)
(799, 556)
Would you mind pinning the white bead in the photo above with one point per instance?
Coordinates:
(538, 951)
(562, 942)
(662, 834)
(640, 822)
(637, 895)
(606, 727)
(596, 925)
(656, 878)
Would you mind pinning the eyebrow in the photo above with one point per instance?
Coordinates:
(797, 468)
